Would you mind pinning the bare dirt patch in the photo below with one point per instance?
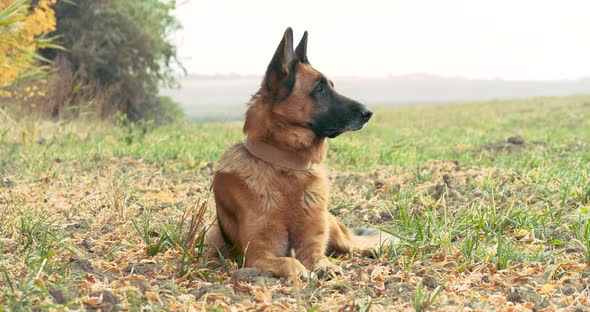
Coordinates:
(513, 144)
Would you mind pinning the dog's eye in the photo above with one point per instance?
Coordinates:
(319, 88)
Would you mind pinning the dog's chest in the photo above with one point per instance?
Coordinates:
(304, 194)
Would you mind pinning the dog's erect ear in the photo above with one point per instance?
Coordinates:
(280, 74)
(284, 54)
(301, 50)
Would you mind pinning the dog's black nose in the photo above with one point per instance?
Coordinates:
(366, 113)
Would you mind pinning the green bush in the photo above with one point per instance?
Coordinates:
(122, 47)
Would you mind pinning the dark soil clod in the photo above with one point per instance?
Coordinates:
(246, 275)
(514, 296)
(58, 295)
(109, 301)
(216, 289)
(516, 140)
(523, 294)
(430, 282)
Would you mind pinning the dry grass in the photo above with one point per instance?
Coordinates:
(112, 218)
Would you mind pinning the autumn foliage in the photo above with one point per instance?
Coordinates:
(22, 29)
(65, 59)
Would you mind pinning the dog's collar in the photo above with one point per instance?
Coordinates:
(275, 156)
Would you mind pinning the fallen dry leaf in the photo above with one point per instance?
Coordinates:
(547, 288)
(93, 302)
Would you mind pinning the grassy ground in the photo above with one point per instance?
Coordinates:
(489, 199)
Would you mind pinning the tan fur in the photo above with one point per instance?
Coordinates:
(269, 213)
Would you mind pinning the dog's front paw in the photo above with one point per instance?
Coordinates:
(297, 270)
(306, 276)
(325, 268)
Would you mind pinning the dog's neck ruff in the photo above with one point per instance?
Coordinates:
(276, 156)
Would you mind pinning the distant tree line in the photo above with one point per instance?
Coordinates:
(114, 57)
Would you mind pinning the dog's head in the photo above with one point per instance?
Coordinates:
(300, 100)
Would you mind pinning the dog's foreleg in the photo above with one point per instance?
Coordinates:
(311, 247)
(215, 244)
(265, 247)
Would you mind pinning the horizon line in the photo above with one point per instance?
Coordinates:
(414, 75)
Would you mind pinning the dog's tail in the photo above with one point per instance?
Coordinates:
(365, 232)
(367, 241)
(378, 239)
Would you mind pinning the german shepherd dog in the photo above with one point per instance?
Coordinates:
(271, 191)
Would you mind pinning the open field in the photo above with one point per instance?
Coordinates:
(491, 201)
(222, 98)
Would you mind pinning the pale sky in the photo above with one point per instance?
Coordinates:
(511, 39)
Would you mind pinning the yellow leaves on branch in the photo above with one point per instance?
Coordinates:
(22, 27)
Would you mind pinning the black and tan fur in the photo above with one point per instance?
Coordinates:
(267, 213)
